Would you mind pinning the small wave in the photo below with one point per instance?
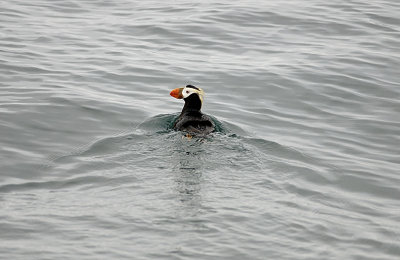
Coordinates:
(165, 122)
(54, 185)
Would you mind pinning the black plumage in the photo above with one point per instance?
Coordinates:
(191, 119)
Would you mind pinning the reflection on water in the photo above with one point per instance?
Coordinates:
(188, 156)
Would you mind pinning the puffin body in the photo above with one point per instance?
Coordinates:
(191, 119)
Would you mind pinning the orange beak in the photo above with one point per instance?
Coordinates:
(177, 93)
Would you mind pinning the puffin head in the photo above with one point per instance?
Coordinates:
(187, 91)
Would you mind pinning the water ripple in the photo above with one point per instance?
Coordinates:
(306, 95)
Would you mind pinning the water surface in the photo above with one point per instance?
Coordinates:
(304, 164)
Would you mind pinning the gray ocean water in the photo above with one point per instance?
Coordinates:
(305, 163)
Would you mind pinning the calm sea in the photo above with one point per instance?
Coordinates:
(305, 163)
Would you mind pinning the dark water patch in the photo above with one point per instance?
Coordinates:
(165, 123)
(154, 146)
(159, 123)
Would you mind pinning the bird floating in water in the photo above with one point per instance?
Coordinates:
(192, 120)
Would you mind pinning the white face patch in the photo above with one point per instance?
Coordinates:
(187, 92)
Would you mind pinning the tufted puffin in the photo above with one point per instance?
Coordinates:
(191, 119)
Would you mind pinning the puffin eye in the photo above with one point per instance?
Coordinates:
(187, 92)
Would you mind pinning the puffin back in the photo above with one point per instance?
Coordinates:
(195, 123)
